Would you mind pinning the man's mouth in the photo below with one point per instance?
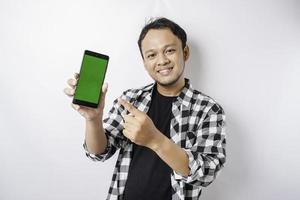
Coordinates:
(165, 71)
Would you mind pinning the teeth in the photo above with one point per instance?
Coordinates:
(165, 71)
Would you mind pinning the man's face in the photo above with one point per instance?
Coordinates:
(164, 57)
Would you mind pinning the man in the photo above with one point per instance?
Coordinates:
(171, 137)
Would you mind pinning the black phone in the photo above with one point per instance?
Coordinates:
(91, 77)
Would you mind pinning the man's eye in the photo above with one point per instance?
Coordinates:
(170, 50)
(151, 55)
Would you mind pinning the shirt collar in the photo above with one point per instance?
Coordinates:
(184, 96)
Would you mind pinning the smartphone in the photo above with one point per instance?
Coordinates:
(91, 77)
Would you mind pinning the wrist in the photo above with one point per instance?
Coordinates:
(94, 121)
(158, 141)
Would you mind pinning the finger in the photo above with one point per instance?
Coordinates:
(79, 109)
(129, 107)
(130, 119)
(72, 82)
(76, 75)
(127, 134)
(129, 127)
(75, 106)
(69, 91)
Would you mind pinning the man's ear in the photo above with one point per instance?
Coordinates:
(186, 52)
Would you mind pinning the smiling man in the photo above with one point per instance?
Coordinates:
(171, 137)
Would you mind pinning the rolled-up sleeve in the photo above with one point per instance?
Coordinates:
(108, 152)
(207, 156)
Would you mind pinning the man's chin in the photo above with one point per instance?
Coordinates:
(167, 83)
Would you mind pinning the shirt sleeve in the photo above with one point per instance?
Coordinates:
(207, 156)
(113, 130)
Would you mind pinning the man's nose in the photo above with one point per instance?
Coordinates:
(162, 60)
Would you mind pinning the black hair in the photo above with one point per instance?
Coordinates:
(162, 23)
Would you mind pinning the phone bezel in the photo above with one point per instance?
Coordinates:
(98, 55)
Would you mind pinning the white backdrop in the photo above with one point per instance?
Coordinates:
(245, 54)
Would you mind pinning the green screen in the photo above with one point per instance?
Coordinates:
(91, 78)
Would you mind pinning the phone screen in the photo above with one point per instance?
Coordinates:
(91, 77)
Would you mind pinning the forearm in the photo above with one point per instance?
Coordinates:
(95, 138)
(172, 154)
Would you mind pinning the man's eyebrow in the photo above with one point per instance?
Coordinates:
(168, 45)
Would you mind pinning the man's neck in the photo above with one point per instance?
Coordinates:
(171, 90)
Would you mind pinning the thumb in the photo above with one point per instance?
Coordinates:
(104, 87)
(104, 90)
(102, 97)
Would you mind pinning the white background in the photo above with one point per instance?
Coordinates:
(245, 54)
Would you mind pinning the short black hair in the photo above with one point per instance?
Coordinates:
(162, 23)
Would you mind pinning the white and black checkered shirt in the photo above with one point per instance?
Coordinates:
(197, 126)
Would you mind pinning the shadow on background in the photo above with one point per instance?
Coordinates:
(236, 170)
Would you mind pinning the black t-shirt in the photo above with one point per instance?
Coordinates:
(149, 175)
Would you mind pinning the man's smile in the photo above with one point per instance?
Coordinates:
(165, 71)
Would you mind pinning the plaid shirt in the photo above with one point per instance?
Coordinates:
(197, 126)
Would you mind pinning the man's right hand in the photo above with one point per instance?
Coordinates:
(90, 114)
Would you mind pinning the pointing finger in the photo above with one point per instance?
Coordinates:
(129, 107)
